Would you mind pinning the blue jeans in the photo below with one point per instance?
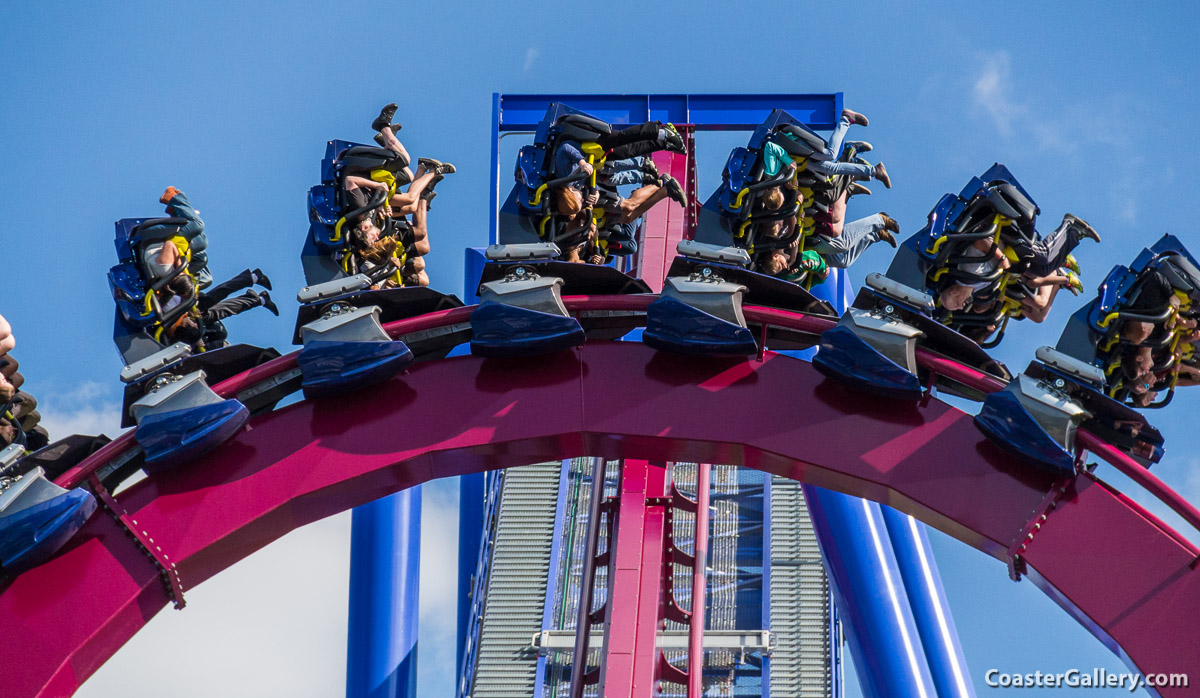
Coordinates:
(856, 237)
(193, 232)
(833, 149)
(621, 172)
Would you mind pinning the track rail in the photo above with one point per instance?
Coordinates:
(1122, 573)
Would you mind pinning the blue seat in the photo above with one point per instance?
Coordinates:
(732, 215)
(529, 214)
(993, 206)
(327, 245)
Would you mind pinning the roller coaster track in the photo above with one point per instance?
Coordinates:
(1125, 575)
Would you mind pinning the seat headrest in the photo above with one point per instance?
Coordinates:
(586, 122)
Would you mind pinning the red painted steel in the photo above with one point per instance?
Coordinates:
(1112, 567)
(699, 585)
(587, 586)
(629, 668)
(664, 226)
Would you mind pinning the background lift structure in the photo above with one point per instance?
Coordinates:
(658, 554)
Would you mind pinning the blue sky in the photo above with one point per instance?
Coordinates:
(1094, 110)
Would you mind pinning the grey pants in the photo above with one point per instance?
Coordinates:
(856, 237)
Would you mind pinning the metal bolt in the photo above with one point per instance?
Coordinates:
(706, 272)
(889, 308)
(1058, 383)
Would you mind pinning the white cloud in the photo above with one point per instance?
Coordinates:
(992, 92)
(89, 408)
(531, 55)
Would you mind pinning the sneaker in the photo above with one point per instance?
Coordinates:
(385, 117)
(445, 168)
(380, 140)
(856, 189)
(1071, 263)
(860, 146)
(265, 298)
(650, 168)
(168, 194)
(262, 279)
(854, 117)
(882, 175)
(1085, 229)
(428, 196)
(429, 163)
(675, 190)
(1074, 283)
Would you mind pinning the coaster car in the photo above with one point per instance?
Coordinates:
(992, 208)
(133, 284)
(37, 517)
(340, 324)
(529, 214)
(873, 348)
(326, 254)
(734, 215)
(700, 310)
(521, 312)
(1161, 288)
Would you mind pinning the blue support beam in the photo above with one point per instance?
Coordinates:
(385, 557)
(715, 112)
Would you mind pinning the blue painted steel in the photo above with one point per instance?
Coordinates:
(499, 330)
(331, 368)
(923, 583)
(385, 556)
(713, 112)
(30, 536)
(175, 437)
(470, 534)
(672, 325)
(869, 591)
(1005, 421)
(494, 209)
(848, 359)
(473, 261)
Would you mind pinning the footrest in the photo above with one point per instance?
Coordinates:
(1006, 422)
(174, 437)
(333, 367)
(499, 330)
(847, 358)
(672, 325)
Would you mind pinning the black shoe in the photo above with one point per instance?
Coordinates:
(675, 190)
(675, 143)
(262, 279)
(385, 117)
(269, 304)
(650, 168)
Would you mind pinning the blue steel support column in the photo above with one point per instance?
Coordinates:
(385, 556)
(928, 599)
(874, 608)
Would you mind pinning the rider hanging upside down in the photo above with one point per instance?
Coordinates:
(1046, 265)
(383, 236)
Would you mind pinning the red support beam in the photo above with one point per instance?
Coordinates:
(630, 663)
(699, 585)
